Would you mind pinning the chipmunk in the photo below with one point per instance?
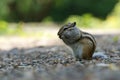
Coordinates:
(82, 43)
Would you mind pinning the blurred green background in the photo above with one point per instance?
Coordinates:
(87, 13)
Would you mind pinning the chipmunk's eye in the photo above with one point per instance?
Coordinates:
(65, 28)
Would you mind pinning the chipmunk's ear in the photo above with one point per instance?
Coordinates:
(73, 24)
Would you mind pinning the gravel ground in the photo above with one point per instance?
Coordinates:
(57, 62)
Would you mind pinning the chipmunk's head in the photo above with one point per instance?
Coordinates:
(69, 33)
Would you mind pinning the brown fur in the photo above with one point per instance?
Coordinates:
(87, 48)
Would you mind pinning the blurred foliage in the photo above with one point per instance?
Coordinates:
(99, 8)
(3, 27)
(18, 29)
(87, 13)
(88, 20)
(84, 21)
(58, 10)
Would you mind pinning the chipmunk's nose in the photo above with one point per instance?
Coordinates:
(61, 37)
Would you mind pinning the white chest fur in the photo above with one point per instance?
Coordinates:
(77, 49)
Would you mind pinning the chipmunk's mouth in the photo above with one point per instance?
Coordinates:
(61, 36)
